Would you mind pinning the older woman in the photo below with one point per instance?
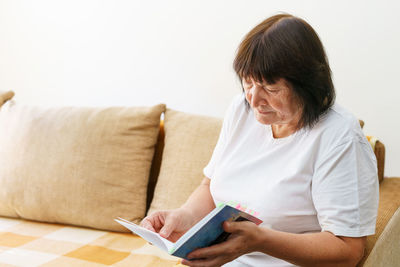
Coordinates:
(288, 153)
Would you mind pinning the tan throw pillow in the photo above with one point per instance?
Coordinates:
(189, 143)
(76, 165)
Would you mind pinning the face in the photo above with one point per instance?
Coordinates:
(273, 104)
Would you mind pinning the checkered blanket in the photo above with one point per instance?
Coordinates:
(27, 243)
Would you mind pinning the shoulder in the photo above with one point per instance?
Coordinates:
(338, 126)
(237, 103)
(236, 110)
(239, 119)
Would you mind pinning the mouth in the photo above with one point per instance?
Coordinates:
(263, 112)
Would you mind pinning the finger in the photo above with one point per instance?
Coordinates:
(146, 224)
(217, 261)
(153, 222)
(229, 227)
(234, 227)
(169, 226)
(211, 251)
(158, 222)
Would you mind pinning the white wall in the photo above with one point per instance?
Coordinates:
(180, 52)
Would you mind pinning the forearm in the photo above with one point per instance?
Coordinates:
(200, 202)
(314, 249)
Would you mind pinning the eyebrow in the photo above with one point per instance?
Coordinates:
(272, 86)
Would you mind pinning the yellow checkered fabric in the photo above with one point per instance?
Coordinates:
(28, 243)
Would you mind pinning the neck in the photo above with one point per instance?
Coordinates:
(287, 127)
(284, 130)
(281, 131)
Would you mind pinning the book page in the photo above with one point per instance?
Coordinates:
(146, 234)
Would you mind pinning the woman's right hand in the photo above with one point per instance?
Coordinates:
(170, 224)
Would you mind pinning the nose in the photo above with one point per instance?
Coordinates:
(255, 95)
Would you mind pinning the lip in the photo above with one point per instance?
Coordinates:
(263, 112)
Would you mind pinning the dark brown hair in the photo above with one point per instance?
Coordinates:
(284, 46)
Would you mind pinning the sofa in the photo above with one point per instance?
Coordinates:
(67, 172)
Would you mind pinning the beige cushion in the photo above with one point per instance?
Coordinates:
(189, 143)
(72, 165)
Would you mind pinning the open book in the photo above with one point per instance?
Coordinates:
(208, 231)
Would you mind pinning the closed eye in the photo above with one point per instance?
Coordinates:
(269, 90)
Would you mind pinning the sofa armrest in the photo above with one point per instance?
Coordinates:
(387, 222)
(386, 251)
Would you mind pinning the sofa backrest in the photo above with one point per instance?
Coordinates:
(189, 141)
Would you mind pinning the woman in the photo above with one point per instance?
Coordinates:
(289, 154)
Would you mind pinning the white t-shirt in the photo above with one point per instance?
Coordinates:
(320, 179)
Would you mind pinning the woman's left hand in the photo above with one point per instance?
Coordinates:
(244, 238)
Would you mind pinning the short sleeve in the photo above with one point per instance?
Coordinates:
(224, 135)
(345, 189)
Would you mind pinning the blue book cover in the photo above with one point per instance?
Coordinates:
(208, 231)
(211, 231)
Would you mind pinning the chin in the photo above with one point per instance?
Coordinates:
(267, 118)
(263, 120)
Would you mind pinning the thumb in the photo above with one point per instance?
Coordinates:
(168, 227)
(232, 227)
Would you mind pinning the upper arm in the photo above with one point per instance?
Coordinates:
(345, 190)
(355, 246)
(205, 181)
